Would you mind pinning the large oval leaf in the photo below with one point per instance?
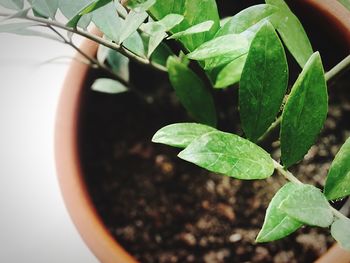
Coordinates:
(308, 205)
(291, 31)
(278, 224)
(305, 112)
(192, 93)
(338, 179)
(340, 230)
(181, 134)
(230, 155)
(263, 83)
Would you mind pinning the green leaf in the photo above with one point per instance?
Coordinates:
(307, 204)
(70, 8)
(230, 155)
(102, 53)
(195, 12)
(338, 179)
(278, 224)
(73, 22)
(12, 4)
(109, 86)
(119, 64)
(305, 112)
(141, 5)
(263, 83)
(340, 230)
(231, 73)
(246, 19)
(291, 32)
(161, 54)
(181, 134)
(231, 45)
(23, 29)
(107, 20)
(200, 28)
(192, 93)
(136, 44)
(47, 8)
(131, 23)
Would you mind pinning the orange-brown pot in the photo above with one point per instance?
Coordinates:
(329, 13)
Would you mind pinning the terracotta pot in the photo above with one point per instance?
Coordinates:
(73, 187)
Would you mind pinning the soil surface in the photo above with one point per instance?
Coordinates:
(162, 209)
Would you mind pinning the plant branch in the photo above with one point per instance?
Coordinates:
(330, 75)
(126, 52)
(290, 177)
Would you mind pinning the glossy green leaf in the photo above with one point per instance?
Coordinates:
(246, 19)
(136, 44)
(195, 12)
(278, 224)
(192, 93)
(141, 5)
(161, 54)
(12, 4)
(307, 204)
(231, 45)
(109, 86)
(131, 23)
(89, 8)
(305, 112)
(340, 230)
(338, 179)
(231, 73)
(291, 32)
(263, 83)
(230, 155)
(107, 20)
(200, 28)
(47, 8)
(70, 8)
(181, 134)
(119, 64)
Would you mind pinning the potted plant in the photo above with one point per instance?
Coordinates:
(246, 48)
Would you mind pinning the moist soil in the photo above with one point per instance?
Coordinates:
(163, 209)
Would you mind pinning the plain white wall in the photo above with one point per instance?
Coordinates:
(34, 224)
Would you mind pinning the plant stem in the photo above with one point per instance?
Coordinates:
(290, 177)
(126, 52)
(335, 71)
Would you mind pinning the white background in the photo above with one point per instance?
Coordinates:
(34, 224)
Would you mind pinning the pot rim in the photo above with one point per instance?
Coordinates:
(69, 172)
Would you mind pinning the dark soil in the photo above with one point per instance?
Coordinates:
(162, 209)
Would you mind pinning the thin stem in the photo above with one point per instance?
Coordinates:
(121, 49)
(335, 71)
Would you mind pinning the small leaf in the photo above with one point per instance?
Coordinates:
(231, 73)
(230, 155)
(308, 205)
(192, 93)
(291, 32)
(107, 20)
(47, 8)
(338, 179)
(181, 134)
(12, 4)
(232, 45)
(119, 64)
(109, 86)
(246, 19)
(340, 230)
(305, 112)
(135, 44)
(263, 83)
(200, 28)
(131, 23)
(71, 8)
(278, 224)
(141, 5)
(161, 54)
